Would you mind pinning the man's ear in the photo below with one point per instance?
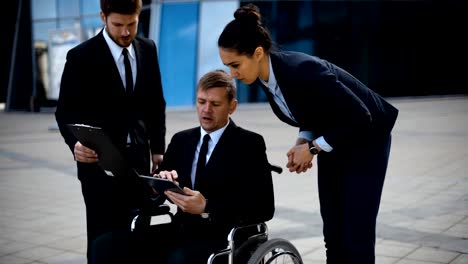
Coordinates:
(233, 106)
(103, 18)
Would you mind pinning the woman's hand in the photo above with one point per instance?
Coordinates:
(299, 158)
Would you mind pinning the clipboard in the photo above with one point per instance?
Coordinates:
(110, 158)
(112, 161)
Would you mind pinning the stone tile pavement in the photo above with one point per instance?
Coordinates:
(423, 217)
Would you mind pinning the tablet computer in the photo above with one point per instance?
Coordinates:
(161, 185)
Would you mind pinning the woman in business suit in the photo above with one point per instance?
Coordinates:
(341, 121)
(98, 90)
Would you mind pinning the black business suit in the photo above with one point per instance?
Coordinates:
(238, 165)
(356, 122)
(92, 93)
(236, 182)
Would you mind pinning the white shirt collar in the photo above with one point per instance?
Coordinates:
(271, 84)
(215, 135)
(115, 49)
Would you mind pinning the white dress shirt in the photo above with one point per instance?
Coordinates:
(214, 138)
(116, 51)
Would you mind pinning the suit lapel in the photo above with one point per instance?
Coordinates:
(217, 159)
(139, 63)
(113, 71)
(222, 144)
(285, 83)
(190, 148)
(280, 73)
(274, 106)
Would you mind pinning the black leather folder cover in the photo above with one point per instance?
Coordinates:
(111, 159)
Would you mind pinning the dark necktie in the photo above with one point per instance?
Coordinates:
(129, 91)
(201, 160)
(128, 73)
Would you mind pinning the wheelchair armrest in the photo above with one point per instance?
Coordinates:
(161, 209)
(250, 231)
(142, 218)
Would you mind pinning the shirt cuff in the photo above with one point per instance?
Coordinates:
(306, 134)
(320, 141)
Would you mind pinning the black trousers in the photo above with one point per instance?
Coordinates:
(165, 243)
(111, 202)
(350, 184)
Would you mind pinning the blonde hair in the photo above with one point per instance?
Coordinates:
(218, 78)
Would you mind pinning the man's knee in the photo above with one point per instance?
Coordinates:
(112, 247)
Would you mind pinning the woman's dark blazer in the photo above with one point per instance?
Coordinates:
(328, 101)
(92, 93)
(237, 179)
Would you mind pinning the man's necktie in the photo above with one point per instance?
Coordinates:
(129, 91)
(201, 160)
(128, 73)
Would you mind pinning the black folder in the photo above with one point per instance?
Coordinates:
(112, 161)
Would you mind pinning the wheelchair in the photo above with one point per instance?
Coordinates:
(246, 244)
(250, 244)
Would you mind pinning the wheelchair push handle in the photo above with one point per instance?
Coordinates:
(276, 168)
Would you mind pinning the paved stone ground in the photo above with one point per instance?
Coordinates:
(424, 209)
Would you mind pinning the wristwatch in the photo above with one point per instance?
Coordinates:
(313, 149)
(205, 215)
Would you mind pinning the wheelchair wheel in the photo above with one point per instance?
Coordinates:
(276, 250)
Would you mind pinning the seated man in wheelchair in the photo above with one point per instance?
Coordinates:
(225, 174)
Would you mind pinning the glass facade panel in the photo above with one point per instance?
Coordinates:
(291, 23)
(68, 23)
(154, 23)
(178, 52)
(68, 8)
(41, 30)
(91, 25)
(214, 15)
(91, 22)
(90, 7)
(43, 9)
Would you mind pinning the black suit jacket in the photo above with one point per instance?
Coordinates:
(327, 100)
(236, 181)
(92, 93)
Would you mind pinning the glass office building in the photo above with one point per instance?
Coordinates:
(380, 42)
(185, 32)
